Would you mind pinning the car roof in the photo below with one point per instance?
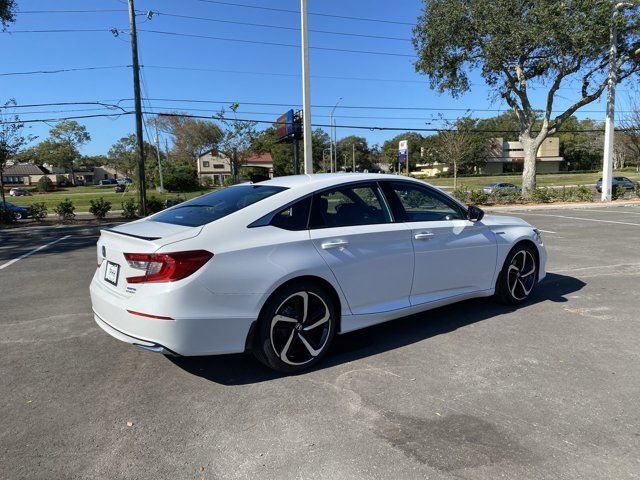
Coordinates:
(322, 180)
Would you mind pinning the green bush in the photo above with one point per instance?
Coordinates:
(462, 194)
(478, 197)
(45, 185)
(618, 191)
(65, 210)
(38, 211)
(99, 208)
(228, 181)
(541, 195)
(181, 178)
(583, 193)
(6, 215)
(129, 208)
(206, 182)
(154, 205)
(505, 196)
(636, 189)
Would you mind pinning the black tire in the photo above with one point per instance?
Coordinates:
(288, 342)
(519, 275)
(17, 216)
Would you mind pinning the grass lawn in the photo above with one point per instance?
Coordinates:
(81, 197)
(558, 179)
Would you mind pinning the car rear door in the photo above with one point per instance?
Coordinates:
(371, 256)
(453, 256)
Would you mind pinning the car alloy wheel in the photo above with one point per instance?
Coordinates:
(300, 328)
(521, 274)
(295, 328)
(17, 216)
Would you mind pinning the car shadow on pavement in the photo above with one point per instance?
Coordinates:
(242, 369)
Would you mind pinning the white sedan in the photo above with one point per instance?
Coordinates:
(279, 267)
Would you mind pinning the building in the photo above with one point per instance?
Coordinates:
(214, 165)
(507, 157)
(28, 174)
(217, 166)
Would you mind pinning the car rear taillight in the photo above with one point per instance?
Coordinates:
(166, 267)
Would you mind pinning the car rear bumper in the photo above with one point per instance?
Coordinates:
(209, 335)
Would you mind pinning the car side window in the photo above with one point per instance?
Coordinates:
(419, 204)
(295, 217)
(349, 206)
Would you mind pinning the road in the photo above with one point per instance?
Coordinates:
(474, 391)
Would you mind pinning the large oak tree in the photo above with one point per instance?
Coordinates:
(514, 44)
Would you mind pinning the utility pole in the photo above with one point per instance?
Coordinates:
(306, 91)
(142, 187)
(159, 159)
(353, 146)
(609, 127)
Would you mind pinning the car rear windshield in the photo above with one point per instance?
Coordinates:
(212, 207)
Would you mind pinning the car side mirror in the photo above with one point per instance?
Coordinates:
(474, 213)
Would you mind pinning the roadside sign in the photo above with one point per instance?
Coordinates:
(284, 125)
(403, 151)
(403, 145)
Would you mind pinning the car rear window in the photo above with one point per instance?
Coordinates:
(214, 206)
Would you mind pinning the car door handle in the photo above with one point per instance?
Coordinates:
(334, 244)
(423, 235)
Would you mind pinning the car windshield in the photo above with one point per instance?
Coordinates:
(214, 206)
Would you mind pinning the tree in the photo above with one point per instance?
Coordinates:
(238, 138)
(631, 136)
(123, 157)
(345, 148)
(7, 13)
(266, 141)
(516, 43)
(415, 144)
(191, 137)
(12, 137)
(71, 133)
(460, 145)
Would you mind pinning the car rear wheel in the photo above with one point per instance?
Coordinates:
(518, 277)
(17, 215)
(296, 328)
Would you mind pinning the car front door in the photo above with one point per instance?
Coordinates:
(370, 255)
(453, 256)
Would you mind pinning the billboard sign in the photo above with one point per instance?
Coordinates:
(403, 151)
(284, 125)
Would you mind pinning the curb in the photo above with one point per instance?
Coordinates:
(563, 206)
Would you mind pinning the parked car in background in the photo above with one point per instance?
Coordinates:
(18, 211)
(280, 266)
(19, 192)
(497, 187)
(107, 181)
(627, 183)
(125, 180)
(121, 187)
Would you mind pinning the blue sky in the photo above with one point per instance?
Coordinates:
(233, 71)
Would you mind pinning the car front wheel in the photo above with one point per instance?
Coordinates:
(296, 328)
(518, 277)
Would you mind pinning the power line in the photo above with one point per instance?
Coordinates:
(75, 117)
(98, 10)
(274, 44)
(62, 30)
(64, 70)
(316, 14)
(279, 27)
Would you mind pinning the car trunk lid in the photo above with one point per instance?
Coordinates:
(143, 236)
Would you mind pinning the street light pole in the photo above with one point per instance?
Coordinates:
(306, 91)
(609, 126)
(332, 135)
(353, 147)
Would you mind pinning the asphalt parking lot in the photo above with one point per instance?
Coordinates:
(476, 391)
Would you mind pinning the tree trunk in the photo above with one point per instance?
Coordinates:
(455, 174)
(530, 147)
(2, 185)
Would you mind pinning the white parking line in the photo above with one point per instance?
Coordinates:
(547, 231)
(582, 218)
(11, 262)
(613, 210)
